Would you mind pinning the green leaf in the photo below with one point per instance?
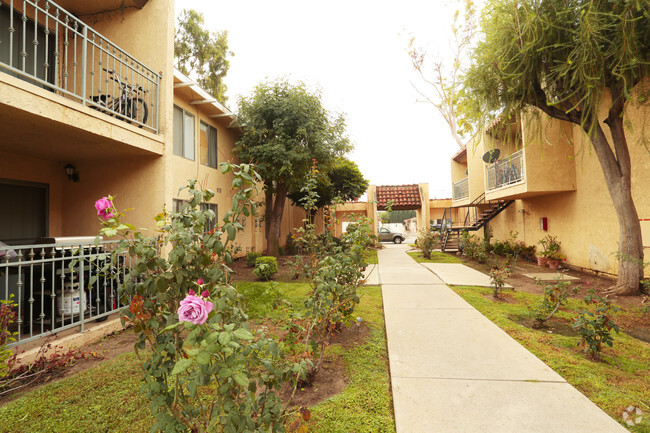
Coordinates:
(161, 284)
(225, 373)
(203, 358)
(224, 338)
(232, 232)
(241, 379)
(243, 334)
(182, 365)
(170, 327)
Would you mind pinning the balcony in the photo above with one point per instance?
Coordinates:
(461, 189)
(58, 284)
(49, 47)
(506, 171)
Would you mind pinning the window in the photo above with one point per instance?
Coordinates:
(23, 212)
(183, 133)
(208, 145)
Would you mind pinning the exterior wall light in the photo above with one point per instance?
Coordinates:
(72, 174)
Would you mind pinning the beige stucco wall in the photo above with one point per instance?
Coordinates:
(43, 131)
(583, 220)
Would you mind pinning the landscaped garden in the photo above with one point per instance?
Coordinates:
(568, 324)
(215, 352)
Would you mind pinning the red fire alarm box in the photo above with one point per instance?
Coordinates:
(543, 224)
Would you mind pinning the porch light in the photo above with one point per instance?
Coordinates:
(71, 173)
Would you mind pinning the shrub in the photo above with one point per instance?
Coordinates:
(266, 267)
(498, 276)
(333, 267)
(203, 368)
(428, 240)
(596, 328)
(7, 318)
(555, 296)
(475, 248)
(252, 257)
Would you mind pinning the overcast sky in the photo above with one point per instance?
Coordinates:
(355, 52)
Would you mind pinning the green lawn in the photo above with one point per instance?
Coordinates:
(619, 379)
(106, 398)
(436, 257)
(372, 257)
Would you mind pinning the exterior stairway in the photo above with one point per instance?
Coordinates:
(484, 212)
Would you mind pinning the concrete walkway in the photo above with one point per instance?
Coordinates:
(454, 371)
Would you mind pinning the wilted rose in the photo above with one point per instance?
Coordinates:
(104, 206)
(194, 309)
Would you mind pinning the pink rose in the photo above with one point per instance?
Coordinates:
(191, 292)
(199, 281)
(205, 294)
(194, 309)
(104, 206)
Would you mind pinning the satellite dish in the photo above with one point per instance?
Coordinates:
(491, 155)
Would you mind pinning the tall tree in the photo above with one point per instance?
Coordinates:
(441, 75)
(567, 59)
(202, 52)
(284, 128)
(342, 180)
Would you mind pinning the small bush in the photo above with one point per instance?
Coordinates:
(596, 328)
(428, 241)
(555, 296)
(252, 257)
(7, 319)
(474, 248)
(265, 267)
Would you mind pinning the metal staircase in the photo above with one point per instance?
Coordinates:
(478, 213)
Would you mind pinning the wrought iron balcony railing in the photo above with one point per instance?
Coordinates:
(47, 46)
(461, 189)
(56, 286)
(506, 171)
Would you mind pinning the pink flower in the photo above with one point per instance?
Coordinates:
(104, 206)
(205, 294)
(192, 292)
(194, 309)
(199, 281)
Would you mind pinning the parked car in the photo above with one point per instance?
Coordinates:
(385, 235)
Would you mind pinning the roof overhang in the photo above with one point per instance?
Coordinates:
(403, 197)
(186, 88)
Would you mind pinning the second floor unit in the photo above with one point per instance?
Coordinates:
(78, 75)
(526, 156)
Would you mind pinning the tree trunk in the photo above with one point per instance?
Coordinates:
(617, 171)
(274, 222)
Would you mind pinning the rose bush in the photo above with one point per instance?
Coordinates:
(203, 368)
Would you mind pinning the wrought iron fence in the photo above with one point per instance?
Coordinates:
(56, 286)
(506, 171)
(44, 44)
(461, 189)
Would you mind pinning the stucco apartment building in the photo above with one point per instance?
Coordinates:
(91, 105)
(548, 171)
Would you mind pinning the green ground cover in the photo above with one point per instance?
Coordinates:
(372, 257)
(620, 378)
(107, 399)
(436, 257)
